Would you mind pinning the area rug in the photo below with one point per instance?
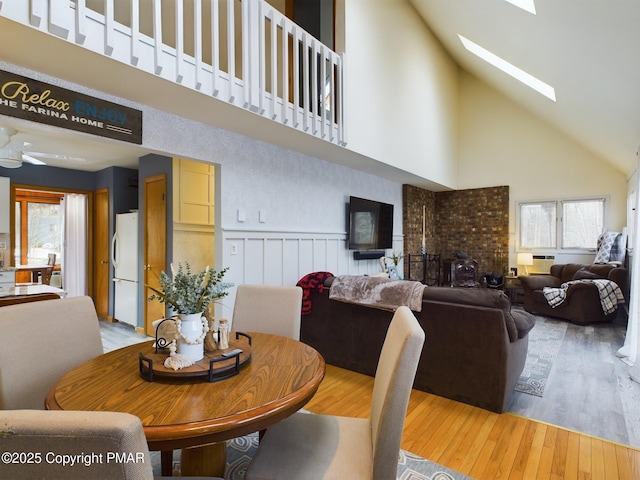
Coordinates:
(545, 340)
(240, 451)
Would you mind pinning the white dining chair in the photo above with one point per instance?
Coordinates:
(329, 447)
(268, 309)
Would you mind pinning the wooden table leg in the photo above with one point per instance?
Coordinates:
(208, 460)
(166, 463)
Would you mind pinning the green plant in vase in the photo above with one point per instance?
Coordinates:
(186, 292)
(188, 295)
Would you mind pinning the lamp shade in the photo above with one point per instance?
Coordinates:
(524, 259)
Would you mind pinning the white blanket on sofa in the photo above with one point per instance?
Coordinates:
(377, 292)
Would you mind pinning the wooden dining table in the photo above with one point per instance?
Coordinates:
(192, 413)
(34, 271)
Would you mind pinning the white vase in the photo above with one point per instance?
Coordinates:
(191, 328)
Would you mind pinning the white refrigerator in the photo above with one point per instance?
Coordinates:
(124, 256)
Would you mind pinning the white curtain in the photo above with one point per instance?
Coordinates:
(75, 244)
(629, 351)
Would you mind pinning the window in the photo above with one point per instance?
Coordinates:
(39, 228)
(576, 223)
(538, 225)
(582, 222)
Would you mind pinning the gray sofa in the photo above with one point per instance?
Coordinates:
(475, 346)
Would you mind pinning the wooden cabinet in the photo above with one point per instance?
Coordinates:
(193, 213)
(193, 193)
(4, 201)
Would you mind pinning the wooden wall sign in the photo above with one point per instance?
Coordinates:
(23, 97)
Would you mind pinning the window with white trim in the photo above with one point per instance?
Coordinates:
(562, 224)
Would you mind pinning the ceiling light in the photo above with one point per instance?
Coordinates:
(527, 5)
(510, 69)
(10, 159)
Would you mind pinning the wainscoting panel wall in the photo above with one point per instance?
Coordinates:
(283, 258)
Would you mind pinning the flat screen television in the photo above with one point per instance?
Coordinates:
(370, 224)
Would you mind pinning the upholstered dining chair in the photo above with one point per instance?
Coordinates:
(268, 309)
(108, 445)
(73, 433)
(41, 341)
(327, 447)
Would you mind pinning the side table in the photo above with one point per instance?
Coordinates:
(514, 289)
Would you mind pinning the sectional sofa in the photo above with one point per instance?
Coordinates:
(475, 347)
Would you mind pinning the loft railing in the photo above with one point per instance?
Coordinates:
(245, 52)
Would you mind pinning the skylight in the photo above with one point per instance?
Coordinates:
(527, 5)
(510, 69)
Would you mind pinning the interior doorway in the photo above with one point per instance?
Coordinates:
(43, 222)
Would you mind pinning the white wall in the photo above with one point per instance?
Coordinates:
(303, 198)
(401, 97)
(503, 144)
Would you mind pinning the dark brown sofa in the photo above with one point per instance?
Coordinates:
(582, 304)
(475, 346)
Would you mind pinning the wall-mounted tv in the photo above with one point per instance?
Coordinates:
(370, 224)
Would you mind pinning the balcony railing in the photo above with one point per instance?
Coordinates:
(245, 52)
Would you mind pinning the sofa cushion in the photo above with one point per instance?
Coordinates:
(568, 271)
(481, 297)
(517, 325)
(584, 274)
(524, 322)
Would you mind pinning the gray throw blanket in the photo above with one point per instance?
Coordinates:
(610, 294)
(377, 292)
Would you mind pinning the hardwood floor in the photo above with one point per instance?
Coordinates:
(473, 441)
(482, 444)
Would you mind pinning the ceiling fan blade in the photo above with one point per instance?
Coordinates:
(32, 160)
(54, 156)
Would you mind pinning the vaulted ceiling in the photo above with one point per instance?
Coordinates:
(588, 50)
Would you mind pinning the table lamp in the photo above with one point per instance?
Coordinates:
(525, 259)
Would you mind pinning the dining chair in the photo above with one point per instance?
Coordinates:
(102, 445)
(41, 342)
(268, 309)
(45, 275)
(306, 445)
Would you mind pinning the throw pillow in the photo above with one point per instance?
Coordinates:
(617, 252)
(605, 242)
(584, 274)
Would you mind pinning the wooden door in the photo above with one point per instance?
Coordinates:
(101, 244)
(155, 245)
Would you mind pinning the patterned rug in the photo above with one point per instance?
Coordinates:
(545, 340)
(240, 451)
